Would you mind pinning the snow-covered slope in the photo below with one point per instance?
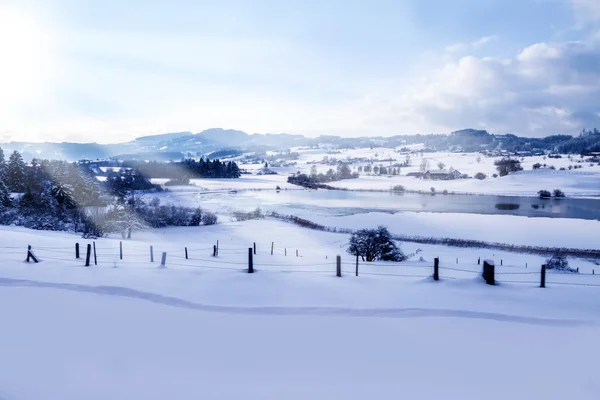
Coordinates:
(205, 328)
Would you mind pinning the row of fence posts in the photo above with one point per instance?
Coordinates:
(488, 270)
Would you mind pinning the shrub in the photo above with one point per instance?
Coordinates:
(494, 175)
(398, 188)
(558, 193)
(559, 263)
(544, 194)
(375, 244)
(480, 176)
(537, 166)
(507, 165)
(209, 218)
(245, 216)
(432, 189)
(445, 192)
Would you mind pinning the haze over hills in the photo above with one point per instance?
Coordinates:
(174, 146)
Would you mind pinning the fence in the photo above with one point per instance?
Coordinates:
(272, 259)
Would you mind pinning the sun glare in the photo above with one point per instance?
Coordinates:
(24, 49)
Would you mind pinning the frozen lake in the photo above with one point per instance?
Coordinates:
(339, 202)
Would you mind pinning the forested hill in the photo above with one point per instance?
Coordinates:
(176, 146)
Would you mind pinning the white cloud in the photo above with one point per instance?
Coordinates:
(484, 40)
(464, 47)
(547, 88)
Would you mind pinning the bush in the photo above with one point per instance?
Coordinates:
(209, 218)
(432, 189)
(445, 192)
(245, 216)
(537, 166)
(558, 193)
(480, 176)
(507, 165)
(398, 188)
(544, 194)
(494, 175)
(559, 263)
(375, 244)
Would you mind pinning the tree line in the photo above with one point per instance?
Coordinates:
(186, 169)
(317, 179)
(58, 195)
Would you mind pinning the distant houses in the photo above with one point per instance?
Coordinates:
(442, 174)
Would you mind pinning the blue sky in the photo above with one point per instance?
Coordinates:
(108, 71)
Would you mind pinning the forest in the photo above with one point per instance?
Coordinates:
(58, 195)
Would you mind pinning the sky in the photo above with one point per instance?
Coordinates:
(109, 71)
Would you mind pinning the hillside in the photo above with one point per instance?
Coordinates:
(215, 139)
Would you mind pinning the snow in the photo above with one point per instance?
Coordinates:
(204, 328)
(511, 229)
(584, 182)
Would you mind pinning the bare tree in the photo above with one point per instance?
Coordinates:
(441, 165)
(424, 166)
(478, 159)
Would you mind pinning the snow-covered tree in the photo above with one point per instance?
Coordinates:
(15, 173)
(375, 244)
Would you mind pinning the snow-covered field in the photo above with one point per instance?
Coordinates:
(546, 232)
(526, 183)
(204, 328)
(583, 182)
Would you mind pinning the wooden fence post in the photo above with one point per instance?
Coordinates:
(338, 265)
(436, 269)
(254, 247)
(296, 252)
(88, 254)
(163, 261)
(214, 250)
(285, 251)
(186, 254)
(543, 276)
(76, 250)
(272, 243)
(30, 255)
(500, 261)
(95, 258)
(151, 254)
(457, 260)
(478, 260)
(250, 263)
(488, 272)
(120, 250)
(356, 264)
(217, 252)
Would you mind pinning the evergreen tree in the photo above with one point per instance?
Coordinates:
(15, 173)
(5, 200)
(2, 164)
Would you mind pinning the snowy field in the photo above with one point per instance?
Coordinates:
(546, 232)
(204, 328)
(583, 182)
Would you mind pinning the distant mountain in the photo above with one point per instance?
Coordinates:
(221, 142)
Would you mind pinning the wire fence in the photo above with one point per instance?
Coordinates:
(276, 259)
